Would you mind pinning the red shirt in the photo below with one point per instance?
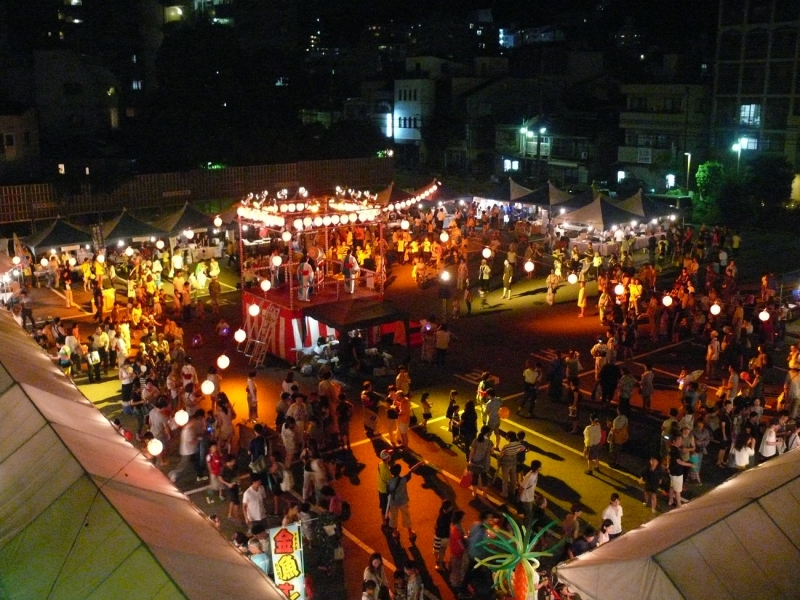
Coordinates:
(214, 462)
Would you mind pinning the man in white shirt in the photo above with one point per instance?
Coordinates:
(613, 513)
(527, 490)
(254, 504)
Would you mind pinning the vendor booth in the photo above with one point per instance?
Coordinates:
(201, 245)
(125, 228)
(57, 237)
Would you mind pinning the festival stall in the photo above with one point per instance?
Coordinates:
(125, 229)
(596, 222)
(59, 236)
(199, 243)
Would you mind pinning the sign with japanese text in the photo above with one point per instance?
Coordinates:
(287, 561)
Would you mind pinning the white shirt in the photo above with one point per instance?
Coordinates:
(768, 446)
(528, 487)
(614, 514)
(253, 501)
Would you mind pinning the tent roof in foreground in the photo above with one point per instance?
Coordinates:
(355, 314)
(83, 514)
(741, 540)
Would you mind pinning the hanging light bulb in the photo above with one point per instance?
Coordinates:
(207, 387)
(253, 310)
(160, 244)
(277, 260)
(619, 289)
(529, 266)
(182, 417)
(217, 222)
(444, 237)
(265, 285)
(286, 236)
(240, 336)
(572, 278)
(487, 253)
(155, 447)
(764, 315)
(223, 362)
(715, 309)
(666, 300)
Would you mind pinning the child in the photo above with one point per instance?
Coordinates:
(468, 298)
(575, 394)
(400, 585)
(453, 415)
(252, 395)
(230, 481)
(214, 462)
(426, 409)
(441, 533)
(651, 478)
(696, 458)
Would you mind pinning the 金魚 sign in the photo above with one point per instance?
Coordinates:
(287, 561)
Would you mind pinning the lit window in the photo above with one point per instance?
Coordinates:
(750, 114)
(515, 165)
(670, 181)
(620, 176)
(133, 59)
(136, 84)
(506, 165)
(748, 143)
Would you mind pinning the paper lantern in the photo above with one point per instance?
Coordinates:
(344, 219)
(619, 289)
(572, 278)
(487, 253)
(53, 251)
(181, 418)
(121, 243)
(207, 387)
(45, 262)
(240, 335)
(445, 276)
(404, 224)
(529, 266)
(291, 207)
(335, 219)
(307, 222)
(217, 222)
(326, 220)
(283, 208)
(715, 309)
(72, 262)
(277, 260)
(160, 244)
(667, 300)
(101, 258)
(128, 251)
(764, 315)
(15, 260)
(154, 447)
(223, 362)
(286, 236)
(353, 217)
(317, 221)
(503, 412)
(253, 310)
(266, 284)
(299, 206)
(444, 237)
(189, 234)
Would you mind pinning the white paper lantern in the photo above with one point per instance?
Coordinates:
(155, 447)
(72, 261)
(291, 207)
(764, 315)
(404, 224)
(101, 258)
(217, 222)
(223, 362)
(715, 309)
(207, 387)
(300, 206)
(298, 224)
(445, 276)
(128, 251)
(277, 260)
(189, 234)
(286, 236)
(619, 289)
(335, 219)
(529, 266)
(160, 244)
(16, 260)
(344, 219)
(667, 300)
(253, 310)
(44, 262)
(572, 278)
(266, 285)
(121, 243)
(326, 220)
(283, 208)
(487, 253)
(240, 336)
(317, 221)
(444, 237)
(182, 417)
(353, 217)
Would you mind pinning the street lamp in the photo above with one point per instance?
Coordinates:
(688, 156)
(737, 147)
(542, 131)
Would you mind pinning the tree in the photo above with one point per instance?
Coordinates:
(769, 181)
(710, 178)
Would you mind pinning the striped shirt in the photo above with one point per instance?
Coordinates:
(508, 455)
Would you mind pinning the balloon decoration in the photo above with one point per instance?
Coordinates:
(504, 412)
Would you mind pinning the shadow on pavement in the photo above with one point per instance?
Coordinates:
(561, 490)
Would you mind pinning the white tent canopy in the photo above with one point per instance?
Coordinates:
(83, 514)
(742, 540)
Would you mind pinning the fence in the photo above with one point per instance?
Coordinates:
(45, 201)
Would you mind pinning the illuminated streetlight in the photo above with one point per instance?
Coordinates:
(688, 156)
